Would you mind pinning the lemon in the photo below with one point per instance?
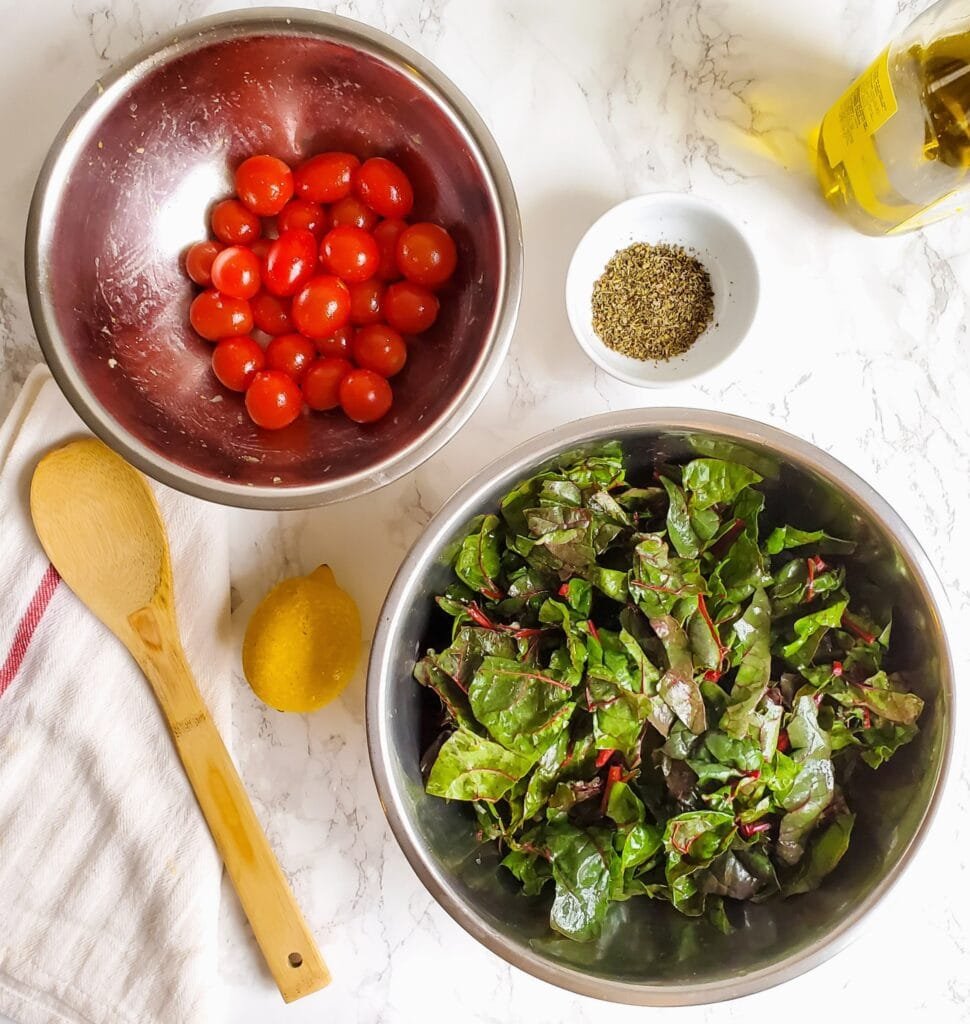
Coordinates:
(302, 644)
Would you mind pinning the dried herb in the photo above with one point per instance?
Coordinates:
(652, 301)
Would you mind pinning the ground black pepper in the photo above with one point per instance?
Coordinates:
(652, 301)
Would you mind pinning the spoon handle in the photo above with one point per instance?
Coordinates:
(267, 900)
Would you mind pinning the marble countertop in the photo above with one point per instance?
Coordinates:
(860, 346)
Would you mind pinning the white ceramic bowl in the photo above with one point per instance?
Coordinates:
(702, 229)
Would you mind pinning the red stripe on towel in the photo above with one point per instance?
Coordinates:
(27, 625)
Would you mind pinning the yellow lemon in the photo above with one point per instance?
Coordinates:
(302, 643)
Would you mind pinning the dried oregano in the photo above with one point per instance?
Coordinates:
(652, 301)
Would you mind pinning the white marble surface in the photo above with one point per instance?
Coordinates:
(860, 346)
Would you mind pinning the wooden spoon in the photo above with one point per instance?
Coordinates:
(100, 526)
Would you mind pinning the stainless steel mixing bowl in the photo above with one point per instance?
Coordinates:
(651, 955)
(127, 186)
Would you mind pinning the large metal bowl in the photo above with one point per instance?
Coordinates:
(127, 186)
(652, 955)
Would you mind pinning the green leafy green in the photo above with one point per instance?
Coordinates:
(753, 631)
(642, 698)
(469, 767)
(715, 482)
(581, 863)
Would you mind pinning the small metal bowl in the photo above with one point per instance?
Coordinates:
(650, 954)
(127, 186)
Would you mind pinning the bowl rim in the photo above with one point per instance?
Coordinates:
(593, 347)
(465, 502)
(425, 76)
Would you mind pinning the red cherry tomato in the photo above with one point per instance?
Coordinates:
(365, 396)
(322, 307)
(290, 353)
(409, 308)
(198, 261)
(235, 361)
(235, 272)
(325, 178)
(384, 187)
(365, 301)
(321, 383)
(233, 224)
(273, 400)
(215, 316)
(337, 346)
(379, 348)
(272, 314)
(264, 184)
(298, 213)
(350, 253)
(386, 235)
(261, 247)
(426, 254)
(352, 211)
(290, 262)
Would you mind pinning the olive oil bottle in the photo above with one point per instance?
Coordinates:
(894, 151)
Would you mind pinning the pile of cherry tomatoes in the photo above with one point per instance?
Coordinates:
(337, 289)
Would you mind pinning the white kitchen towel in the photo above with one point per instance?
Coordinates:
(109, 881)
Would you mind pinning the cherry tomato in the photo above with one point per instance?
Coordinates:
(384, 187)
(298, 213)
(235, 361)
(215, 316)
(290, 262)
(386, 235)
(365, 301)
(325, 178)
(235, 272)
(426, 254)
(264, 184)
(198, 261)
(233, 224)
(261, 247)
(337, 346)
(322, 307)
(272, 314)
(290, 353)
(409, 308)
(365, 396)
(351, 210)
(350, 253)
(321, 383)
(379, 348)
(273, 400)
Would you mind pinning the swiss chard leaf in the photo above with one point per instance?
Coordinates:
(470, 767)
(823, 856)
(893, 705)
(679, 527)
(524, 707)
(783, 537)
(531, 869)
(658, 581)
(809, 630)
(753, 631)
(581, 866)
(479, 559)
(715, 482)
(677, 686)
(813, 787)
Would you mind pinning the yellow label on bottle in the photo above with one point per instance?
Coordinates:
(864, 108)
(848, 137)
